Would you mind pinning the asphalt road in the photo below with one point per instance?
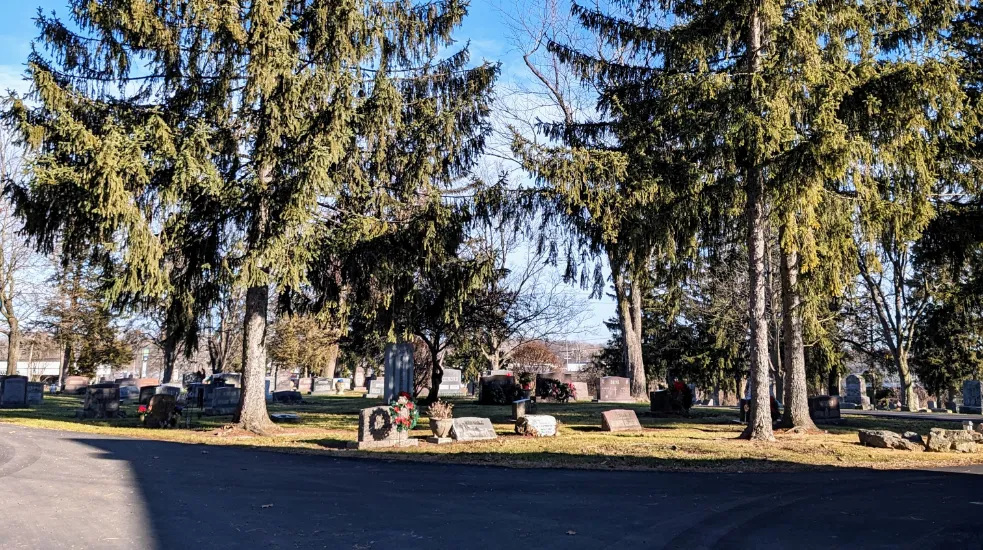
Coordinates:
(70, 490)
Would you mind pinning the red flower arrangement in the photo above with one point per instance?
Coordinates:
(403, 412)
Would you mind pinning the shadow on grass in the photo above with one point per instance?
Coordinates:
(231, 498)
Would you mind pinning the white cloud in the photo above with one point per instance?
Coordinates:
(12, 78)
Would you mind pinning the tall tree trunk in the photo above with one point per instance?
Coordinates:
(908, 397)
(66, 357)
(436, 372)
(775, 349)
(796, 413)
(630, 316)
(13, 345)
(759, 421)
(330, 369)
(170, 354)
(251, 414)
(639, 385)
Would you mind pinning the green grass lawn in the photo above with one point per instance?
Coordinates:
(706, 440)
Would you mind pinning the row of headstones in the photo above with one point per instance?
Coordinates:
(611, 389)
(18, 392)
(972, 394)
(376, 429)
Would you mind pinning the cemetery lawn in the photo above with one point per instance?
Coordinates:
(704, 441)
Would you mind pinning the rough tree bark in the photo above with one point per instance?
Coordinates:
(13, 345)
(436, 372)
(759, 422)
(629, 302)
(251, 414)
(169, 349)
(330, 369)
(796, 413)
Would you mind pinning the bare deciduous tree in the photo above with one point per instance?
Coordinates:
(20, 265)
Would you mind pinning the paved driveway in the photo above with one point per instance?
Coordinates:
(70, 490)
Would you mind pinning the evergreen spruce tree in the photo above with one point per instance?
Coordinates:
(789, 105)
(210, 138)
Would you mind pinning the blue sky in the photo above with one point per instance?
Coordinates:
(484, 28)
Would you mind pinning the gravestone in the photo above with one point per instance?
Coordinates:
(519, 408)
(143, 382)
(376, 430)
(856, 391)
(376, 387)
(267, 389)
(660, 401)
(168, 389)
(540, 425)
(485, 396)
(101, 401)
(615, 389)
(233, 379)
(471, 428)
(399, 370)
(452, 384)
(289, 397)
(322, 386)
(196, 395)
(824, 408)
(13, 391)
(619, 420)
(305, 385)
(224, 400)
(359, 377)
(76, 384)
(582, 392)
(35, 393)
(146, 393)
(160, 411)
(972, 398)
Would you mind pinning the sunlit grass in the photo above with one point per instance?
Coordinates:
(706, 440)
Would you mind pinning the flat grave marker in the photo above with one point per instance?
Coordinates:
(472, 428)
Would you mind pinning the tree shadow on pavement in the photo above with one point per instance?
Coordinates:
(226, 497)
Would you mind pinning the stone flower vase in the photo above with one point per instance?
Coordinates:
(441, 428)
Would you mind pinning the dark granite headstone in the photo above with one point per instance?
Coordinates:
(824, 408)
(35, 393)
(168, 389)
(620, 420)
(288, 397)
(399, 370)
(101, 401)
(972, 397)
(146, 393)
(224, 400)
(486, 382)
(160, 411)
(13, 391)
(660, 401)
(615, 389)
